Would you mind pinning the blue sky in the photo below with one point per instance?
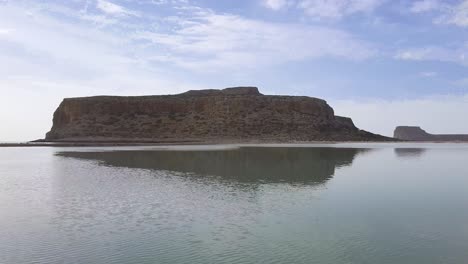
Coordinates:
(381, 62)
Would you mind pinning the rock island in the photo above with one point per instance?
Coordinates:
(239, 114)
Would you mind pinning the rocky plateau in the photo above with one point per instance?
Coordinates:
(239, 114)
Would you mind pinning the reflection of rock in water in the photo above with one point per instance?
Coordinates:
(249, 164)
(409, 152)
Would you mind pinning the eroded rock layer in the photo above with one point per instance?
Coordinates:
(234, 114)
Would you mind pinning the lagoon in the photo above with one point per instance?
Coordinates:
(316, 203)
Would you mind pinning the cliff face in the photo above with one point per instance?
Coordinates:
(415, 133)
(236, 114)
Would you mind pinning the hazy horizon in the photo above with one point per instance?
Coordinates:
(383, 63)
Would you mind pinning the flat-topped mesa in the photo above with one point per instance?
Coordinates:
(416, 133)
(242, 90)
(410, 133)
(238, 114)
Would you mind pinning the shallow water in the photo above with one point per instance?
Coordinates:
(340, 203)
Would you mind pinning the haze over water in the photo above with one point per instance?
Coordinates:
(348, 203)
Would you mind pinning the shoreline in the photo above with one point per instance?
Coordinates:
(96, 144)
(198, 143)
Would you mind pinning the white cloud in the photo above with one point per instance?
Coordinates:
(438, 114)
(457, 55)
(203, 40)
(98, 19)
(454, 14)
(213, 41)
(426, 6)
(165, 2)
(276, 4)
(458, 15)
(336, 9)
(113, 9)
(417, 54)
(428, 74)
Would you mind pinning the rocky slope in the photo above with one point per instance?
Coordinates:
(237, 114)
(415, 133)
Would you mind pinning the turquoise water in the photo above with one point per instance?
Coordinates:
(348, 203)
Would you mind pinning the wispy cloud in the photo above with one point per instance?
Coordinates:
(206, 40)
(277, 4)
(201, 39)
(426, 6)
(447, 12)
(198, 39)
(114, 9)
(336, 9)
(326, 9)
(456, 15)
(428, 74)
(457, 55)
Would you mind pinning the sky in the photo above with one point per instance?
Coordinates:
(381, 62)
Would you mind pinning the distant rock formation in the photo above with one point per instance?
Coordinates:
(415, 133)
(238, 114)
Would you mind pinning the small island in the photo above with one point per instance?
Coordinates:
(416, 133)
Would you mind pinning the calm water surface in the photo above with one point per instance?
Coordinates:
(366, 203)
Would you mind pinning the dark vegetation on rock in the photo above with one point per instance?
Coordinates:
(415, 133)
(239, 114)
